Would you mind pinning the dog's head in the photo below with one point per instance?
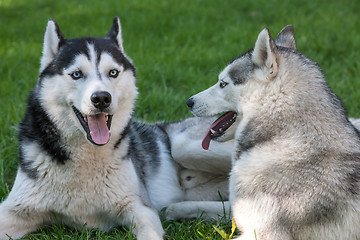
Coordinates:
(238, 83)
(84, 83)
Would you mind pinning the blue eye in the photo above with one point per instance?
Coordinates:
(113, 73)
(76, 75)
(223, 84)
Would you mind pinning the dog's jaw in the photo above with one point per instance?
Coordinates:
(218, 128)
(97, 127)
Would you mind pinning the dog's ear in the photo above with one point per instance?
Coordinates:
(265, 54)
(53, 40)
(115, 33)
(286, 38)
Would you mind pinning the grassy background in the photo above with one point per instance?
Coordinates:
(178, 47)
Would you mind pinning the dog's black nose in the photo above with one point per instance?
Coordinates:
(190, 102)
(101, 100)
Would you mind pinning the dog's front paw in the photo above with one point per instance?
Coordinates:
(171, 212)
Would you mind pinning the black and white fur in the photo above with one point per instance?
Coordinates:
(85, 161)
(296, 158)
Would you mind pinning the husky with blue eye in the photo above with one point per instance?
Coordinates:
(296, 156)
(84, 161)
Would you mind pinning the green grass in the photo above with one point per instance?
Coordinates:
(178, 47)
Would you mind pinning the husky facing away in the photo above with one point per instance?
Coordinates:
(296, 160)
(74, 171)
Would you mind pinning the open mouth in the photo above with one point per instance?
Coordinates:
(97, 127)
(218, 128)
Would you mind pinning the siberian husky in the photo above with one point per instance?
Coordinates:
(85, 161)
(296, 157)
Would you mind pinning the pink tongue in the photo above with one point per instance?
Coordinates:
(99, 131)
(215, 126)
(206, 141)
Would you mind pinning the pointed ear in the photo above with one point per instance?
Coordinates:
(286, 38)
(115, 33)
(265, 54)
(53, 40)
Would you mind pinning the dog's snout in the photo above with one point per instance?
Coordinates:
(190, 102)
(101, 100)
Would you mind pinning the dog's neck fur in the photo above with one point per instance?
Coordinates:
(288, 111)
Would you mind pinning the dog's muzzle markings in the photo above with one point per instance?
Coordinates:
(97, 126)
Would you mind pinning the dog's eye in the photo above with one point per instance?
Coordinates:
(113, 73)
(76, 75)
(223, 84)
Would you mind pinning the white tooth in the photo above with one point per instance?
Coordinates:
(212, 131)
(91, 133)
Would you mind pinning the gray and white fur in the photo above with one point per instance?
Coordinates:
(84, 161)
(296, 155)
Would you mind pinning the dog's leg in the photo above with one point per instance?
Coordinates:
(193, 209)
(146, 222)
(186, 137)
(15, 222)
(188, 152)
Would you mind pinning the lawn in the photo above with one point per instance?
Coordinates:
(178, 47)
